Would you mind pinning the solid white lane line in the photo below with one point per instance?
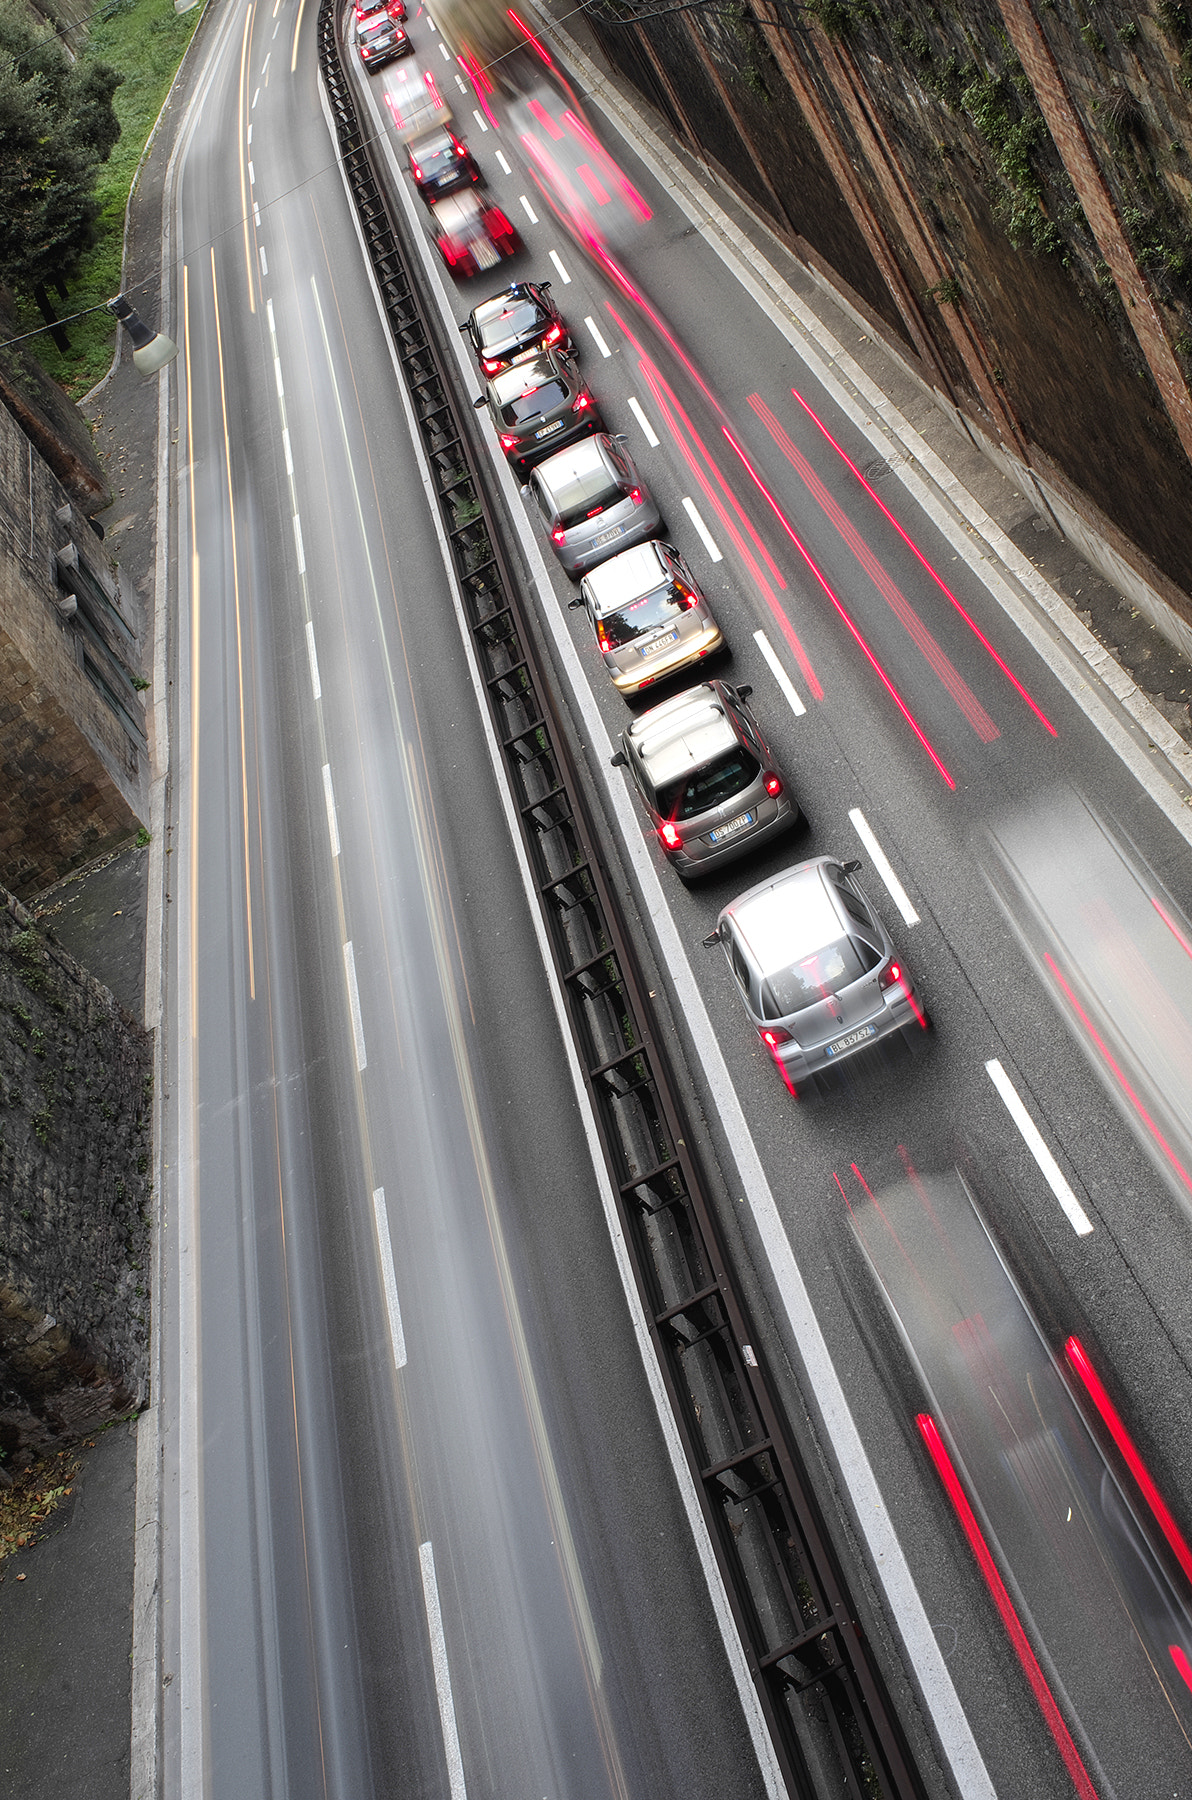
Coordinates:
(477, 114)
(884, 867)
(438, 1655)
(503, 163)
(651, 436)
(779, 673)
(388, 1278)
(332, 821)
(1077, 1218)
(264, 263)
(564, 277)
(709, 542)
(285, 444)
(314, 661)
(298, 545)
(597, 338)
(529, 210)
(354, 1004)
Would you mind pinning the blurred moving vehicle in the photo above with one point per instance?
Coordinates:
(593, 502)
(517, 323)
(816, 970)
(365, 9)
(381, 39)
(471, 234)
(415, 103)
(649, 615)
(538, 406)
(707, 778)
(440, 163)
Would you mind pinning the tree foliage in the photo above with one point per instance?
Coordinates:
(57, 124)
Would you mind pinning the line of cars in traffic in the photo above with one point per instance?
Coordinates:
(815, 968)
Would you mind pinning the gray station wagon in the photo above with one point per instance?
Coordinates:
(707, 778)
(817, 973)
(593, 502)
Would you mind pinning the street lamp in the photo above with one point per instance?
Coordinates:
(152, 350)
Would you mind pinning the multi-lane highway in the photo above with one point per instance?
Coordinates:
(424, 1528)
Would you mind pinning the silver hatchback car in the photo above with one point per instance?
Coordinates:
(816, 971)
(593, 502)
(649, 616)
(707, 777)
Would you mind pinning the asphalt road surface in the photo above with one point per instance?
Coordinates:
(423, 1532)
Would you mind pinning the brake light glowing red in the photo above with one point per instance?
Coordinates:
(417, 171)
(636, 496)
(890, 976)
(602, 637)
(490, 364)
(670, 835)
(773, 1035)
(553, 335)
(507, 443)
(582, 403)
(558, 534)
(773, 786)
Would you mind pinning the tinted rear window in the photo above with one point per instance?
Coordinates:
(814, 977)
(534, 402)
(659, 608)
(705, 788)
(432, 159)
(519, 320)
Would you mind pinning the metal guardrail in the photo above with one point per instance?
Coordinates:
(822, 1694)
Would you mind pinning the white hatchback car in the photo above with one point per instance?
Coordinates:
(817, 973)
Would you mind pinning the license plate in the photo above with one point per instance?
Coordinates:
(486, 254)
(547, 429)
(606, 537)
(841, 1044)
(723, 831)
(672, 637)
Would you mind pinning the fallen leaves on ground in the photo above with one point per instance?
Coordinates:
(34, 1495)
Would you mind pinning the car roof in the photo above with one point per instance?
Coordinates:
(627, 577)
(578, 459)
(523, 376)
(488, 310)
(792, 916)
(682, 734)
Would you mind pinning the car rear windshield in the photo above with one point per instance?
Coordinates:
(710, 786)
(518, 320)
(582, 496)
(434, 156)
(536, 401)
(814, 977)
(644, 615)
(377, 28)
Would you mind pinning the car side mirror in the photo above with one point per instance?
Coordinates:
(572, 604)
(711, 941)
(849, 868)
(464, 327)
(544, 285)
(619, 760)
(744, 691)
(480, 404)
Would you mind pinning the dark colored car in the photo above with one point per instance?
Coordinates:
(381, 39)
(440, 163)
(537, 407)
(365, 9)
(471, 233)
(517, 323)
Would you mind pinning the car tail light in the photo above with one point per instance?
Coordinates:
(636, 496)
(773, 786)
(670, 835)
(602, 637)
(890, 976)
(559, 535)
(582, 403)
(490, 364)
(685, 596)
(416, 171)
(507, 443)
(773, 1035)
(552, 336)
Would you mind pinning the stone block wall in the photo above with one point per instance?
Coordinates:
(73, 751)
(75, 1190)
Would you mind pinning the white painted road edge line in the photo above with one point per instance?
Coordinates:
(779, 673)
(354, 1004)
(438, 1655)
(742, 1679)
(884, 867)
(648, 431)
(1079, 1220)
(397, 1336)
(529, 210)
(315, 683)
(564, 277)
(332, 821)
(706, 538)
(597, 337)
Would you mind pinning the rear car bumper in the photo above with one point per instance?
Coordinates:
(798, 1062)
(709, 857)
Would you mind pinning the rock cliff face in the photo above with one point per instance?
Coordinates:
(1006, 185)
(75, 1138)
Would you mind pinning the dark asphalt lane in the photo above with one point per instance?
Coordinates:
(313, 1476)
(855, 749)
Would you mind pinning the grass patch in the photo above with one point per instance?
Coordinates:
(146, 40)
